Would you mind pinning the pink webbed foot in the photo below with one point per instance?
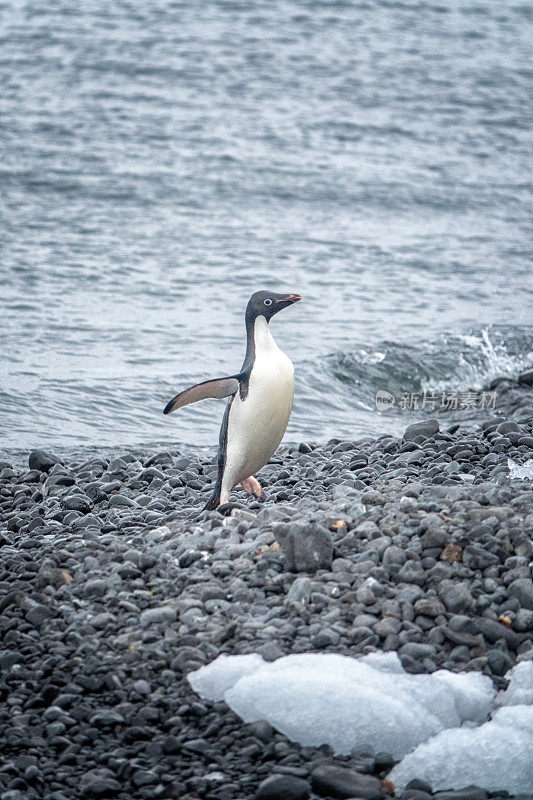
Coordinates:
(252, 486)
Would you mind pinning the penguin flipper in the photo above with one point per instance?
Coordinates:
(218, 388)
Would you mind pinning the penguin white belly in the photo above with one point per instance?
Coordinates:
(256, 424)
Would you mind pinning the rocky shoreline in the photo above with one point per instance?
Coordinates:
(114, 585)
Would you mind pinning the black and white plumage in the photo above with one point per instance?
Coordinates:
(260, 404)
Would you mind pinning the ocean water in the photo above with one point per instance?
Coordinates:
(161, 161)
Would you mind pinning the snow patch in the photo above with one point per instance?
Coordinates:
(346, 702)
(520, 689)
(520, 471)
(497, 756)
(213, 681)
(437, 724)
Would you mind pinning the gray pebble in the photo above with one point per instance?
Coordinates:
(425, 429)
(522, 589)
(154, 616)
(306, 546)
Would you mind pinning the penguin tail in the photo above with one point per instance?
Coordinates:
(213, 502)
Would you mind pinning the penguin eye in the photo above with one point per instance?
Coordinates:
(268, 301)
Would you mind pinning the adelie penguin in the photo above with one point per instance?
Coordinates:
(260, 404)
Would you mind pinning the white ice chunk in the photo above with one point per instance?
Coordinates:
(520, 689)
(471, 694)
(497, 756)
(521, 471)
(213, 681)
(345, 702)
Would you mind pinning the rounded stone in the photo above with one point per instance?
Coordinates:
(330, 780)
(283, 787)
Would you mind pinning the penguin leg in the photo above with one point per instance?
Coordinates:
(252, 486)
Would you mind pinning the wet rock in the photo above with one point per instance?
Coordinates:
(100, 621)
(142, 687)
(412, 572)
(522, 589)
(121, 501)
(261, 730)
(523, 620)
(325, 638)
(77, 502)
(33, 476)
(270, 651)
(189, 557)
(98, 783)
(470, 793)
(498, 661)
(144, 777)
(387, 627)
(37, 615)
(8, 658)
(417, 650)
(299, 594)
(394, 555)
(155, 616)
(526, 378)
(283, 787)
(508, 427)
(475, 557)
(434, 537)
(105, 717)
(42, 461)
(417, 785)
(307, 546)
(493, 631)
(159, 458)
(303, 447)
(429, 607)
(456, 597)
(426, 429)
(383, 762)
(339, 782)
(95, 588)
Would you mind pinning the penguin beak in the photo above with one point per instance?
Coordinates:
(289, 300)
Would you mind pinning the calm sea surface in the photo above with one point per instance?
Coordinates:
(161, 161)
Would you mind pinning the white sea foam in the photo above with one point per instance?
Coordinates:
(480, 361)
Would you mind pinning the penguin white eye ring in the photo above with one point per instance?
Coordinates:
(260, 403)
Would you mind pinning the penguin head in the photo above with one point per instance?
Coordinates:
(266, 304)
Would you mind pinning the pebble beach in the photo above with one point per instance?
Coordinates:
(115, 585)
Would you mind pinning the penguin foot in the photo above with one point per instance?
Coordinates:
(252, 486)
